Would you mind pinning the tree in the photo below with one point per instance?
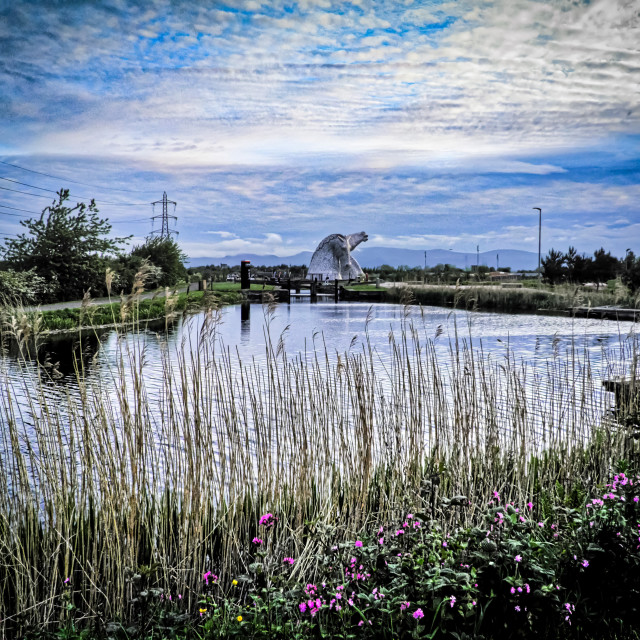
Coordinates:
(67, 246)
(631, 271)
(553, 269)
(163, 253)
(604, 267)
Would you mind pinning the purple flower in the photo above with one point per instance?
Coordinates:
(452, 601)
(257, 541)
(358, 543)
(585, 563)
(417, 614)
(518, 558)
(288, 560)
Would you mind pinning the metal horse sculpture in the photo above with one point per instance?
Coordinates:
(332, 260)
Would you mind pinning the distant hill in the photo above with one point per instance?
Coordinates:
(376, 256)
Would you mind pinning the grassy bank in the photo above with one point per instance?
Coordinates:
(129, 310)
(497, 298)
(115, 496)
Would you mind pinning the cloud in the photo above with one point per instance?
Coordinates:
(270, 243)
(309, 118)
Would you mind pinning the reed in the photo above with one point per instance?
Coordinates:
(525, 299)
(121, 479)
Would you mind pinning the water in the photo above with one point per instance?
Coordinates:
(556, 357)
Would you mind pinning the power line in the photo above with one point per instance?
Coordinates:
(4, 206)
(48, 175)
(6, 213)
(24, 184)
(73, 195)
(130, 221)
(35, 195)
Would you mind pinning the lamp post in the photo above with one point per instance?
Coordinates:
(539, 239)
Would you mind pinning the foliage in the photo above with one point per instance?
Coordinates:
(23, 287)
(67, 246)
(163, 253)
(558, 267)
(524, 571)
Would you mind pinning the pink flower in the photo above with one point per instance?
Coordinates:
(530, 505)
(288, 560)
(635, 498)
(207, 575)
(399, 532)
(358, 543)
(452, 601)
(268, 520)
(257, 541)
(417, 614)
(405, 605)
(585, 563)
(444, 544)
(518, 558)
(381, 541)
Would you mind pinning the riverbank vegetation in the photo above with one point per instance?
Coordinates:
(561, 298)
(323, 495)
(130, 311)
(64, 253)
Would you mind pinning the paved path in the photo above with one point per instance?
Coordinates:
(76, 304)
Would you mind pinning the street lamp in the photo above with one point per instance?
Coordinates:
(539, 238)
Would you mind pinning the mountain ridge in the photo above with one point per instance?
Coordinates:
(371, 257)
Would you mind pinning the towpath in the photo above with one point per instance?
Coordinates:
(76, 304)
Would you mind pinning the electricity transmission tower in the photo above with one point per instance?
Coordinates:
(164, 230)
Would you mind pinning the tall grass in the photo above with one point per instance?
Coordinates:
(525, 299)
(119, 478)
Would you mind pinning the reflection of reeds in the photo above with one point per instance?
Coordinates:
(96, 483)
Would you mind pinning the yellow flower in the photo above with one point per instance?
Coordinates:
(235, 583)
(239, 618)
(203, 611)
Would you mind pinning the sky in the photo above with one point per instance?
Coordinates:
(429, 125)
